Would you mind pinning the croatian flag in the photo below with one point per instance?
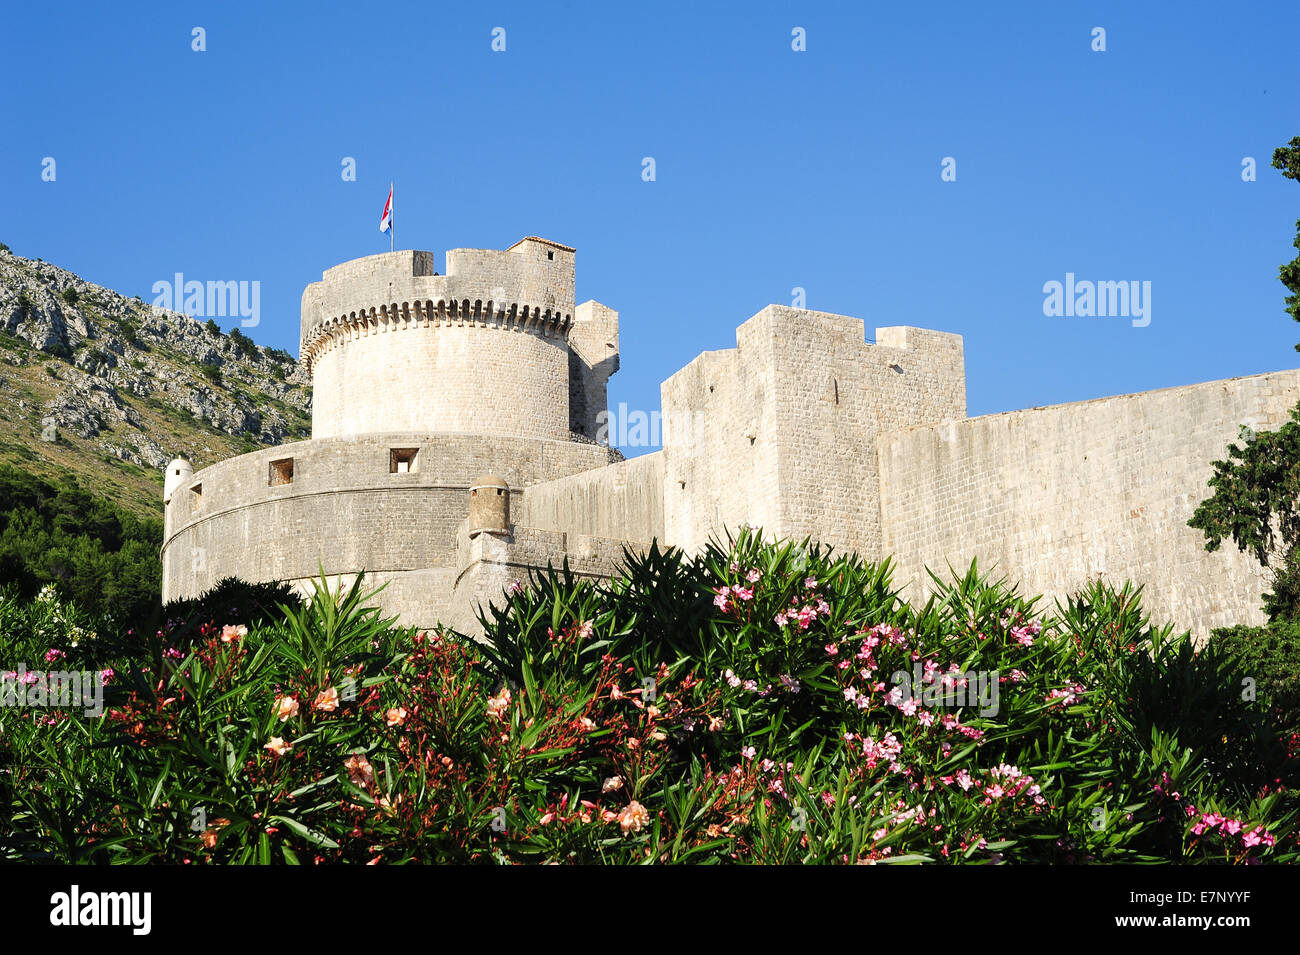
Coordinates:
(386, 220)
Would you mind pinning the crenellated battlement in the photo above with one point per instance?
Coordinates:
(527, 287)
(430, 314)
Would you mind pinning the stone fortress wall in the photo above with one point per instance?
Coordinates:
(425, 383)
(1054, 496)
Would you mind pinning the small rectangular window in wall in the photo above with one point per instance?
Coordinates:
(401, 460)
(281, 472)
(196, 497)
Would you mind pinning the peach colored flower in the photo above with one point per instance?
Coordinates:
(586, 724)
(497, 705)
(327, 701)
(286, 707)
(609, 785)
(715, 724)
(278, 746)
(209, 838)
(395, 716)
(231, 632)
(633, 817)
(359, 770)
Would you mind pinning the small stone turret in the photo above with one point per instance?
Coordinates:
(179, 472)
(489, 506)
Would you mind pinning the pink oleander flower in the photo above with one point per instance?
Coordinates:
(232, 632)
(715, 724)
(832, 649)
(748, 752)
(327, 701)
(395, 716)
(51, 655)
(497, 705)
(286, 707)
(105, 675)
(732, 680)
(1259, 836)
(790, 683)
(1067, 697)
(278, 746)
(633, 818)
(744, 593)
(721, 601)
(810, 582)
(515, 587)
(753, 576)
(359, 770)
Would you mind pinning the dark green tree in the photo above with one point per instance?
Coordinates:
(1287, 158)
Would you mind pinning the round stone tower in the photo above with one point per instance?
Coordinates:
(489, 506)
(427, 388)
(179, 471)
(394, 346)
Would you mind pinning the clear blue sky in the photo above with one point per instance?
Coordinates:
(775, 168)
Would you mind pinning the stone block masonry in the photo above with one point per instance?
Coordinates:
(1052, 497)
(425, 383)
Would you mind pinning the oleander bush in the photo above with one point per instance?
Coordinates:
(763, 702)
(1270, 656)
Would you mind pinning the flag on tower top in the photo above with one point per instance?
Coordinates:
(386, 220)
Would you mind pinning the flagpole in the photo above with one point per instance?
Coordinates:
(392, 224)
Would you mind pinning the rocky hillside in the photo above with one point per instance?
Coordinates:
(111, 389)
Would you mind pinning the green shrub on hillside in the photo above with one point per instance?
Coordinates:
(99, 556)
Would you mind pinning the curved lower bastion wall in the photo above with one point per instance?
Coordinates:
(485, 379)
(1056, 495)
(344, 507)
